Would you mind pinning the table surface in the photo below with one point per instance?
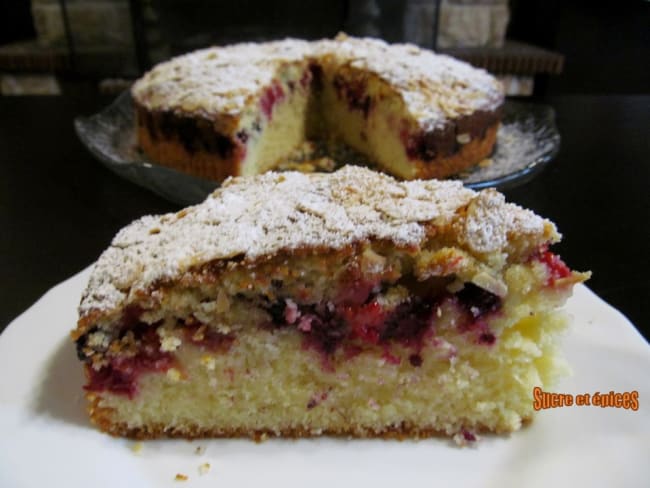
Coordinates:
(60, 208)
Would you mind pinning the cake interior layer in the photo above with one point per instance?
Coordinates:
(320, 102)
(366, 113)
(365, 352)
(268, 383)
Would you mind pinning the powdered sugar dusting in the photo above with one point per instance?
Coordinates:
(228, 80)
(260, 216)
(434, 87)
(216, 80)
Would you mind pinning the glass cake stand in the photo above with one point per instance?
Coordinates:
(527, 141)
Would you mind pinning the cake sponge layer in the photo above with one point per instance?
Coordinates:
(269, 383)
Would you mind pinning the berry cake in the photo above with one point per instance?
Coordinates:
(345, 303)
(241, 109)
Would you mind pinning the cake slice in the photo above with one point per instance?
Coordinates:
(326, 304)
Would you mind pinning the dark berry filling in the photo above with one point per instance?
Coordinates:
(317, 400)
(121, 374)
(487, 338)
(410, 321)
(81, 343)
(357, 320)
(242, 136)
(316, 74)
(324, 331)
(415, 360)
(354, 93)
(477, 301)
(469, 436)
(141, 353)
(427, 145)
(476, 304)
(194, 134)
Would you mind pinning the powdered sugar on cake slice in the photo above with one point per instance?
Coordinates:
(257, 217)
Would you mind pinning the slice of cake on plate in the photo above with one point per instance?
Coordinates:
(344, 304)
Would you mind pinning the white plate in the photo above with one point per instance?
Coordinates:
(45, 437)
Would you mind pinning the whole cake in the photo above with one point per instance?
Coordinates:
(348, 303)
(241, 109)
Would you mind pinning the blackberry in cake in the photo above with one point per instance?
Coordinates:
(241, 109)
(349, 303)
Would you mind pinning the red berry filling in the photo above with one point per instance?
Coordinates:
(271, 96)
(556, 267)
(469, 436)
(306, 78)
(207, 338)
(121, 374)
(358, 320)
(366, 321)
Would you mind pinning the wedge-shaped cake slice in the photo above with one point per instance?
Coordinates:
(346, 304)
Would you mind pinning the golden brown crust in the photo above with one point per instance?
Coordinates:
(171, 153)
(469, 155)
(101, 417)
(359, 205)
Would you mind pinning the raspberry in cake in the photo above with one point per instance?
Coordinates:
(350, 303)
(241, 109)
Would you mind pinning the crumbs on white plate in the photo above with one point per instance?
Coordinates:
(466, 438)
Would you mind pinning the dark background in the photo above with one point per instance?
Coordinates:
(602, 116)
(606, 44)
